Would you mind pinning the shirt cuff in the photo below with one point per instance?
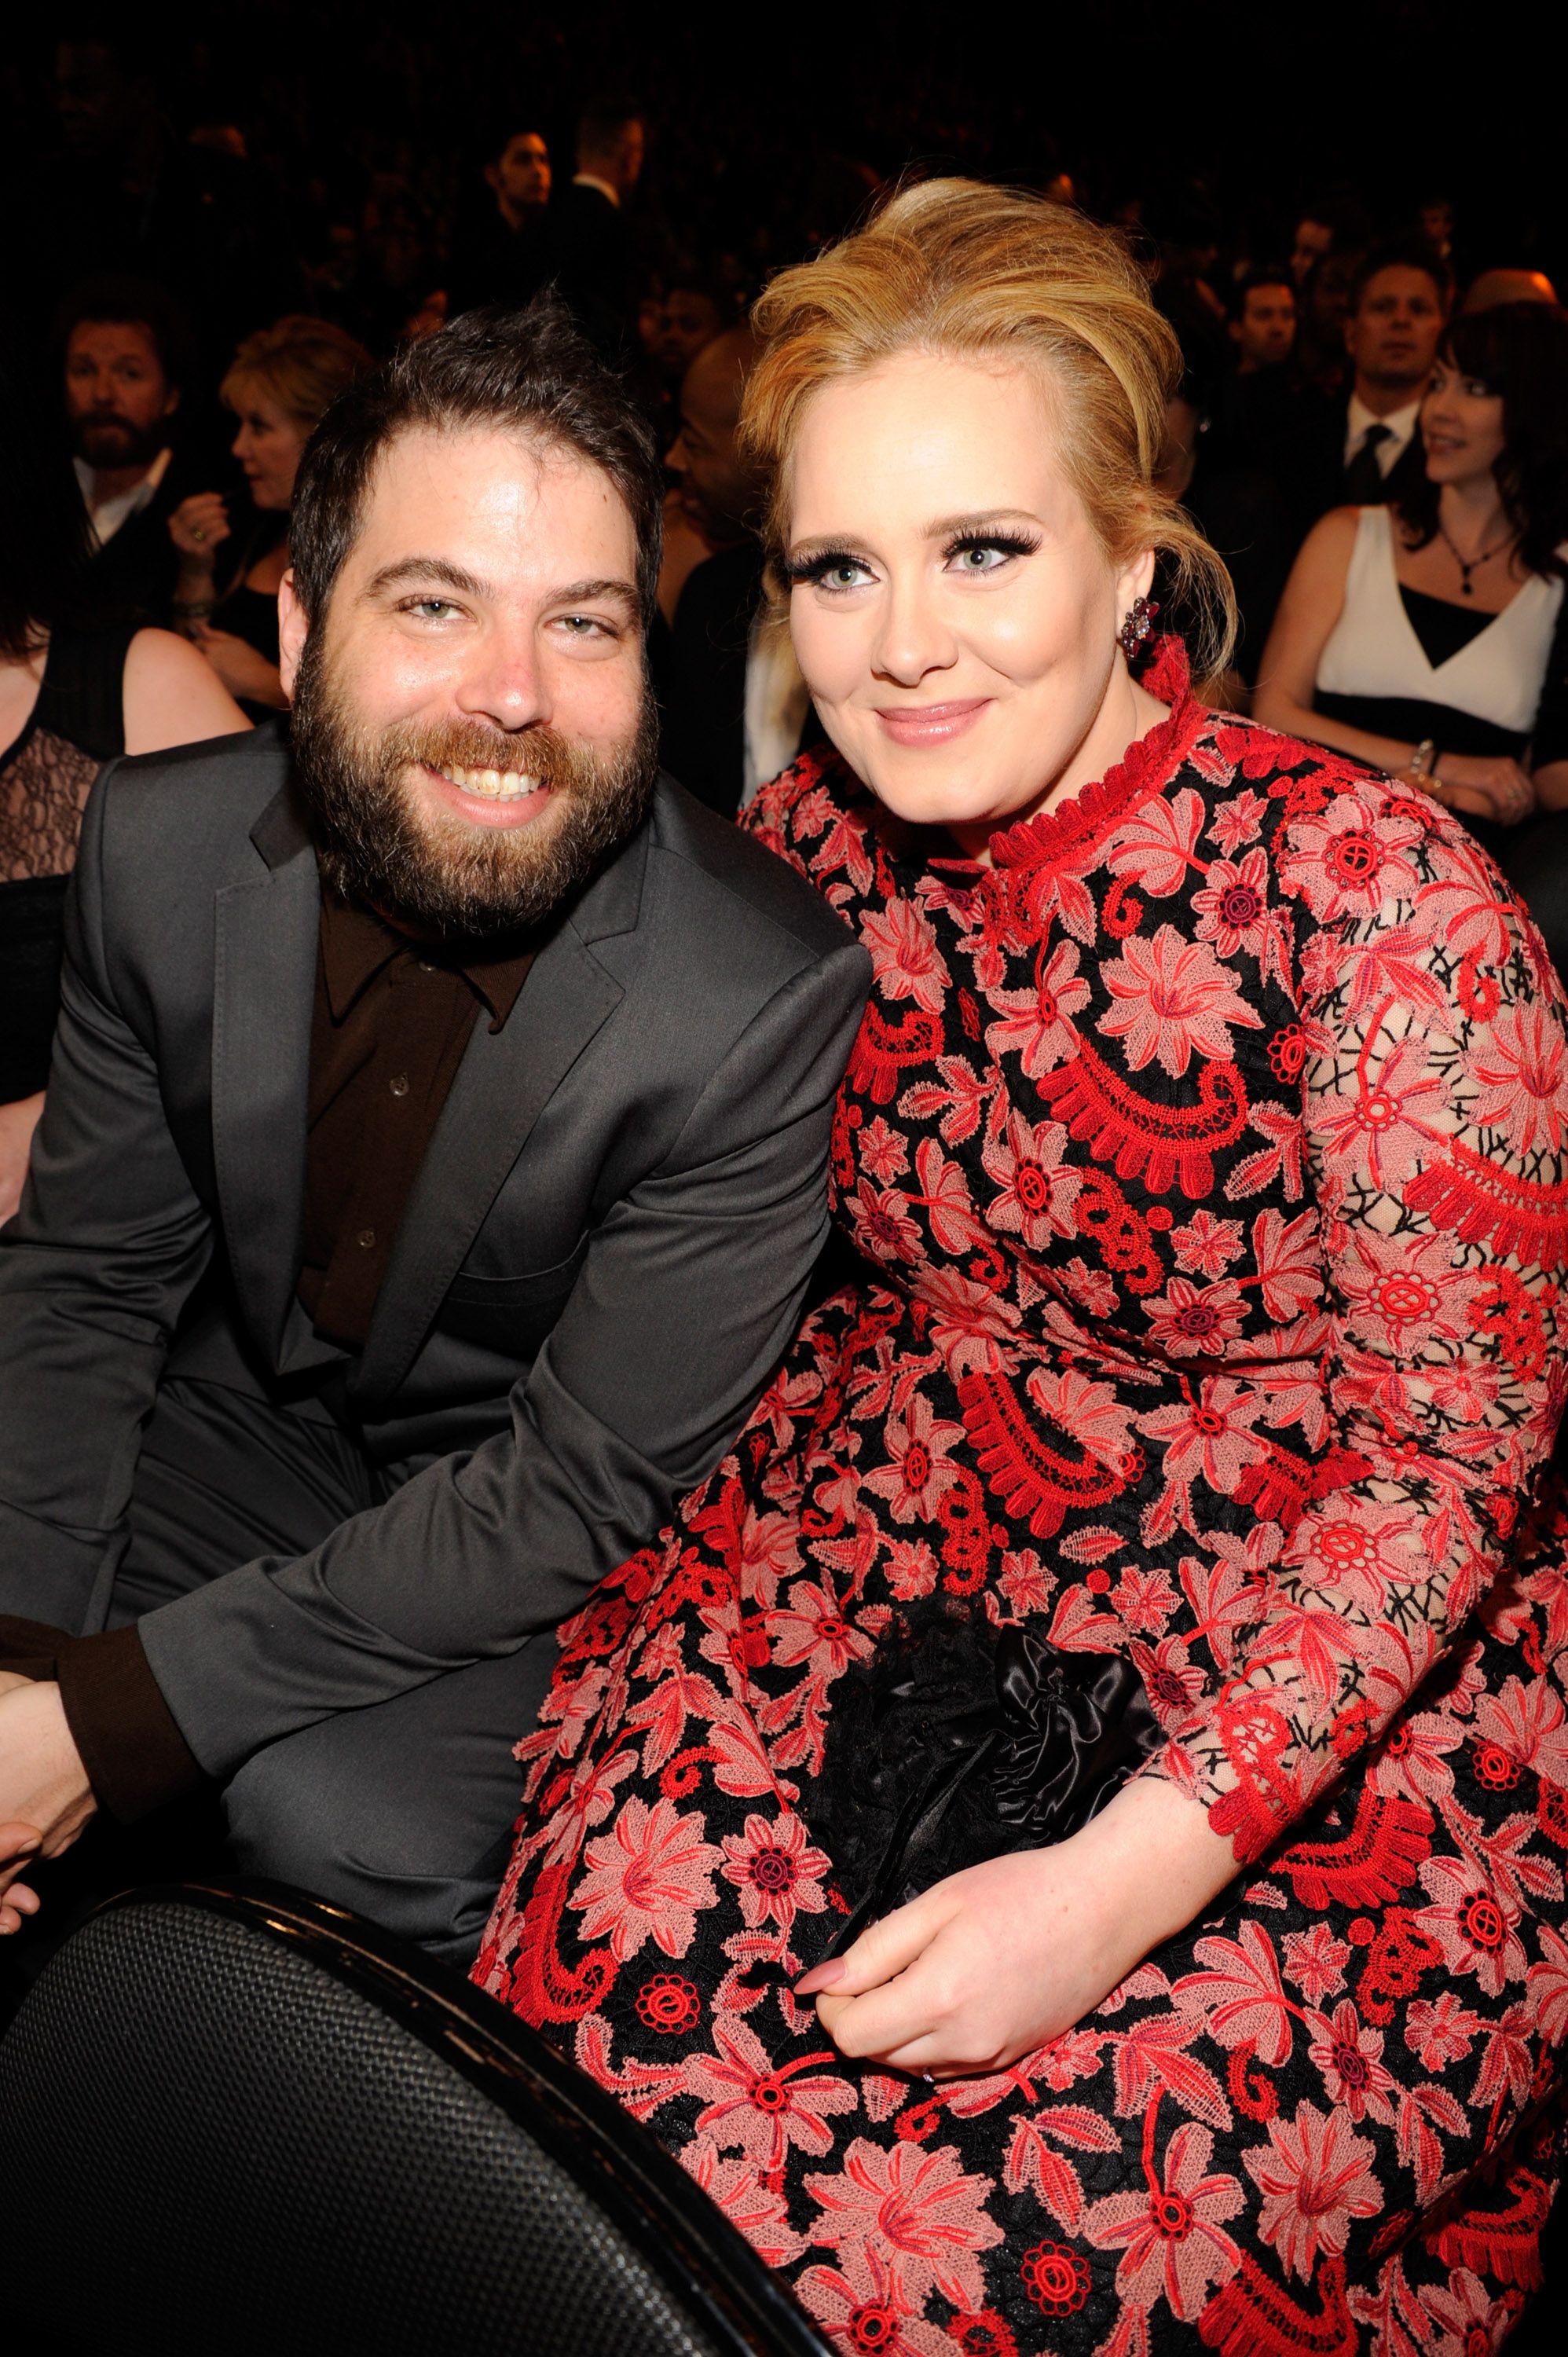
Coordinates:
(131, 1746)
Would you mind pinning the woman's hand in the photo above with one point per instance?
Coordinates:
(18, 1122)
(1484, 785)
(197, 527)
(992, 1962)
(242, 670)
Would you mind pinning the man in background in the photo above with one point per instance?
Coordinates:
(734, 702)
(594, 264)
(123, 344)
(503, 255)
(1363, 449)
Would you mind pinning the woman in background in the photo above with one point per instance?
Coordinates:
(1431, 639)
(279, 384)
(76, 688)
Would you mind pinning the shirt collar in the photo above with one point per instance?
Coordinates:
(357, 943)
(131, 502)
(1401, 423)
(592, 180)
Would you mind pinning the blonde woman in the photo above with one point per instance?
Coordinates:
(280, 383)
(1065, 1837)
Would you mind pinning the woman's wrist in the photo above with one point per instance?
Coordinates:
(1164, 1861)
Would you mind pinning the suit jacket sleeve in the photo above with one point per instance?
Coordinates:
(95, 1270)
(691, 1291)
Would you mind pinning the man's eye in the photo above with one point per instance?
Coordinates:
(431, 609)
(585, 626)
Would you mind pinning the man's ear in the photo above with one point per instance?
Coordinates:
(493, 174)
(294, 628)
(1234, 329)
(172, 404)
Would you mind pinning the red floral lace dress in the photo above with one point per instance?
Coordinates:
(1208, 1152)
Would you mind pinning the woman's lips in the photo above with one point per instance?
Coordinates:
(931, 724)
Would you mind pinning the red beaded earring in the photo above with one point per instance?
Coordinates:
(1136, 627)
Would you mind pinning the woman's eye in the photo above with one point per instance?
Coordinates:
(979, 560)
(844, 573)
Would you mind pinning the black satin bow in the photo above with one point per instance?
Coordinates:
(1062, 1733)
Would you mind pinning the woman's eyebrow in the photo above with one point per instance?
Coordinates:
(985, 520)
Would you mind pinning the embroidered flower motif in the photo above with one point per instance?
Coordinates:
(1170, 2232)
(776, 1869)
(1205, 1246)
(1174, 1000)
(758, 2107)
(1233, 906)
(1211, 1434)
(1037, 1190)
(1350, 2056)
(1517, 1070)
(1315, 2179)
(904, 956)
(1353, 859)
(918, 2205)
(1195, 1321)
(647, 1878)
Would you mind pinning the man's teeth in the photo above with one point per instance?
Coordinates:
(497, 785)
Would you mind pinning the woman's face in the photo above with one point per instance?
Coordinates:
(1461, 424)
(953, 612)
(269, 445)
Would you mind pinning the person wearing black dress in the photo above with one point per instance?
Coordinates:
(76, 686)
(280, 382)
(1431, 638)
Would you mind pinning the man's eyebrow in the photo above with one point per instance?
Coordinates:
(431, 571)
(427, 568)
(583, 593)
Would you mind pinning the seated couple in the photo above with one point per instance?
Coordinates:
(1046, 1783)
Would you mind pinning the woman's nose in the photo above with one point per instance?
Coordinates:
(912, 638)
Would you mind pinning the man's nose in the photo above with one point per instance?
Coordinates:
(505, 685)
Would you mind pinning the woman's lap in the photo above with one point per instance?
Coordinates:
(1314, 2122)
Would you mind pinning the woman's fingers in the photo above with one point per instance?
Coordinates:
(885, 1947)
(15, 1906)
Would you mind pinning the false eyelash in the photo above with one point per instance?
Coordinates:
(1012, 544)
(815, 568)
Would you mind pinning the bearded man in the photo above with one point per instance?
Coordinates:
(433, 1169)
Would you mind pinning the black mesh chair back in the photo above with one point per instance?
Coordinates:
(234, 2119)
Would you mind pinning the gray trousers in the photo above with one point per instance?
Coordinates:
(402, 1812)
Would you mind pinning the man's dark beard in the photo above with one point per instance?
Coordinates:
(114, 442)
(375, 844)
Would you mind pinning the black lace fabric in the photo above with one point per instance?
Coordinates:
(44, 785)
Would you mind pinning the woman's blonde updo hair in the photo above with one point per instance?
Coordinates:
(956, 266)
(302, 364)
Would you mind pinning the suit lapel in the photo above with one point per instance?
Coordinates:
(503, 1083)
(262, 991)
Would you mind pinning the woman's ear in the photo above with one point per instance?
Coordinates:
(1135, 578)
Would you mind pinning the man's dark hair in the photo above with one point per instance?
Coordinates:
(530, 372)
(1402, 253)
(131, 302)
(1261, 274)
(604, 118)
(1520, 350)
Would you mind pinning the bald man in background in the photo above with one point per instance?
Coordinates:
(735, 708)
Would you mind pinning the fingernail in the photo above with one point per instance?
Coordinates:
(26, 1847)
(822, 1976)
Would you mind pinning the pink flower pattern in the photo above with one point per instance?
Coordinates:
(1206, 1156)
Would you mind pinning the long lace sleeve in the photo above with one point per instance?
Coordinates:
(1436, 1107)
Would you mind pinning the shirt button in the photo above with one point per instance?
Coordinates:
(400, 1086)
(425, 967)
(367, 1237)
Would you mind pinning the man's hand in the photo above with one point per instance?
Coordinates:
(992, 1962)
(44, 1792)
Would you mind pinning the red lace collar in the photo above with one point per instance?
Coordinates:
(1148, 765)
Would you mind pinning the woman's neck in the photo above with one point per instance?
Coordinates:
(1471, 512)
(1126, 712)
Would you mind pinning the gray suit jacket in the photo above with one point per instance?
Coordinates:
(603, 1256)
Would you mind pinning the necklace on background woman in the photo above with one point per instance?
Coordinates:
(1468, 567)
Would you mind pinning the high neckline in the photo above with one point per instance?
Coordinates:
(1147, 764)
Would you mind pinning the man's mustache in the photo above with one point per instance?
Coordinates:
(542, 753)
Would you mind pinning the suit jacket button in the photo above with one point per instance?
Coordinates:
(400, 1086)
(366, 1239)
